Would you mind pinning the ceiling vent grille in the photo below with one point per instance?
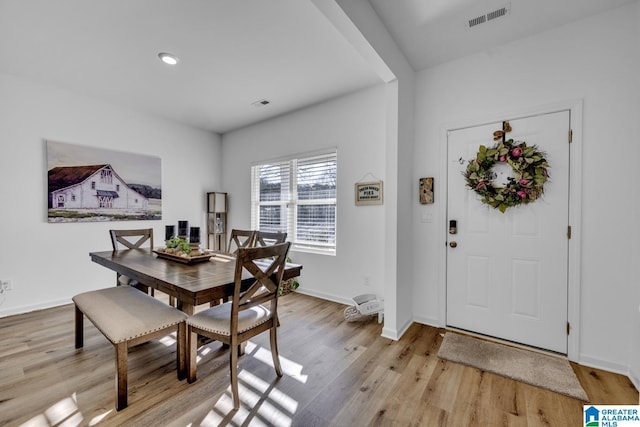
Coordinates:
(477, 21)
(261, 103)
(496, 13)
(489, 16)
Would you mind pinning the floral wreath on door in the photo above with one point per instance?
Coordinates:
(530, 172)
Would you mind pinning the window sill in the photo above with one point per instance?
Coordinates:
(317, 251)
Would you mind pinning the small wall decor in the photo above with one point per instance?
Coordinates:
(369, 193)
(94, 184)
(426, 191)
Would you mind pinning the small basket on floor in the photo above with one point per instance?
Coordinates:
(351, 314)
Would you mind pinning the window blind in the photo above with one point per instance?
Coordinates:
(297, 196)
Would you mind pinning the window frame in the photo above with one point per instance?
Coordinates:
(290, 206)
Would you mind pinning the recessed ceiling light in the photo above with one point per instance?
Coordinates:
(168, 58)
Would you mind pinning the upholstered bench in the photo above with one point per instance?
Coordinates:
(128, 317)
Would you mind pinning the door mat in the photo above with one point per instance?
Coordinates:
(540, 370)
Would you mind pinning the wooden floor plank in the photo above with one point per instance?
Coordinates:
(337, 373)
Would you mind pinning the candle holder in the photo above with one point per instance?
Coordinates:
(194, 236)
(169, 232)
(183, 229)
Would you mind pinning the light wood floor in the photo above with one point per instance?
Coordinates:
(336, 374)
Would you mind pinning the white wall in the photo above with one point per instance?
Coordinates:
(634, 283)
(596, 60)
(355, 124)
(399, 106)
(49, 263)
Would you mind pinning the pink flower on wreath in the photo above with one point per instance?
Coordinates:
(522, 194)
(480, 185)
(524, 181)
(516, 152)
(503, 159)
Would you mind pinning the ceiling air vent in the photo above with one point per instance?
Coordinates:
(497, 13)
(261, 103)
(477, 21)
(489, 16)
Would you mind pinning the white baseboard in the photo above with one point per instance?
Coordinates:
(635, 379)
(428, 321)
(322, 295)
(29, 308)
(593, 362)
(396, 334)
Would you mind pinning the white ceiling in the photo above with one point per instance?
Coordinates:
(232, 53)
(235, 52)
(431, 32)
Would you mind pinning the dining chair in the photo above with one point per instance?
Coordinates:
(252, 310)
(133, 239)
(267, 238)
(240, 239)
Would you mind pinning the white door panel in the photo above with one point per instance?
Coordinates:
(507, 276)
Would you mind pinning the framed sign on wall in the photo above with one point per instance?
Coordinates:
(426, 191)
(369, 193)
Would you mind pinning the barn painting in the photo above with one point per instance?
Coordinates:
(95, 184)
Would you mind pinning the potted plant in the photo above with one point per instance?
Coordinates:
(287, 286)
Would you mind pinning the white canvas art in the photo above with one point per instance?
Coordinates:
(88, 184)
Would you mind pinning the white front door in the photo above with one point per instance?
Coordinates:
(507, 274)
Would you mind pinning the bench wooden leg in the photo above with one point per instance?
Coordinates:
(79, 328)
(181, 350)
(121, 375)
(192, 355)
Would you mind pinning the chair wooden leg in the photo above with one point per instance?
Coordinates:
(274, 350)
(192, 354)
(79, 328)
(233, 365)
(172, 301)
(181, 345)
(121, 375)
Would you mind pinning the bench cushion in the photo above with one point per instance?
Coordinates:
(122, 313)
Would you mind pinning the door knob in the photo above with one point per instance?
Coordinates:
(453, 244)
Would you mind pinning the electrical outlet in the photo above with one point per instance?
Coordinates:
(5, 285)
(367, 281)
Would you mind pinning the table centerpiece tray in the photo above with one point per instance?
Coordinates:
(190, 259)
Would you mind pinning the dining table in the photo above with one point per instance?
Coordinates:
(191, 284)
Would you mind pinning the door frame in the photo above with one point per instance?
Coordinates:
(575, 207)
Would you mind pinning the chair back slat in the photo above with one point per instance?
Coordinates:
(127, 238)
(264, 288)
(241, 239)
(267, 238)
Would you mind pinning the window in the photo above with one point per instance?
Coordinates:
(297, 196)
(106, 176)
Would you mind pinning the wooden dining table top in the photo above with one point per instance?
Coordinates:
(191, 284)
